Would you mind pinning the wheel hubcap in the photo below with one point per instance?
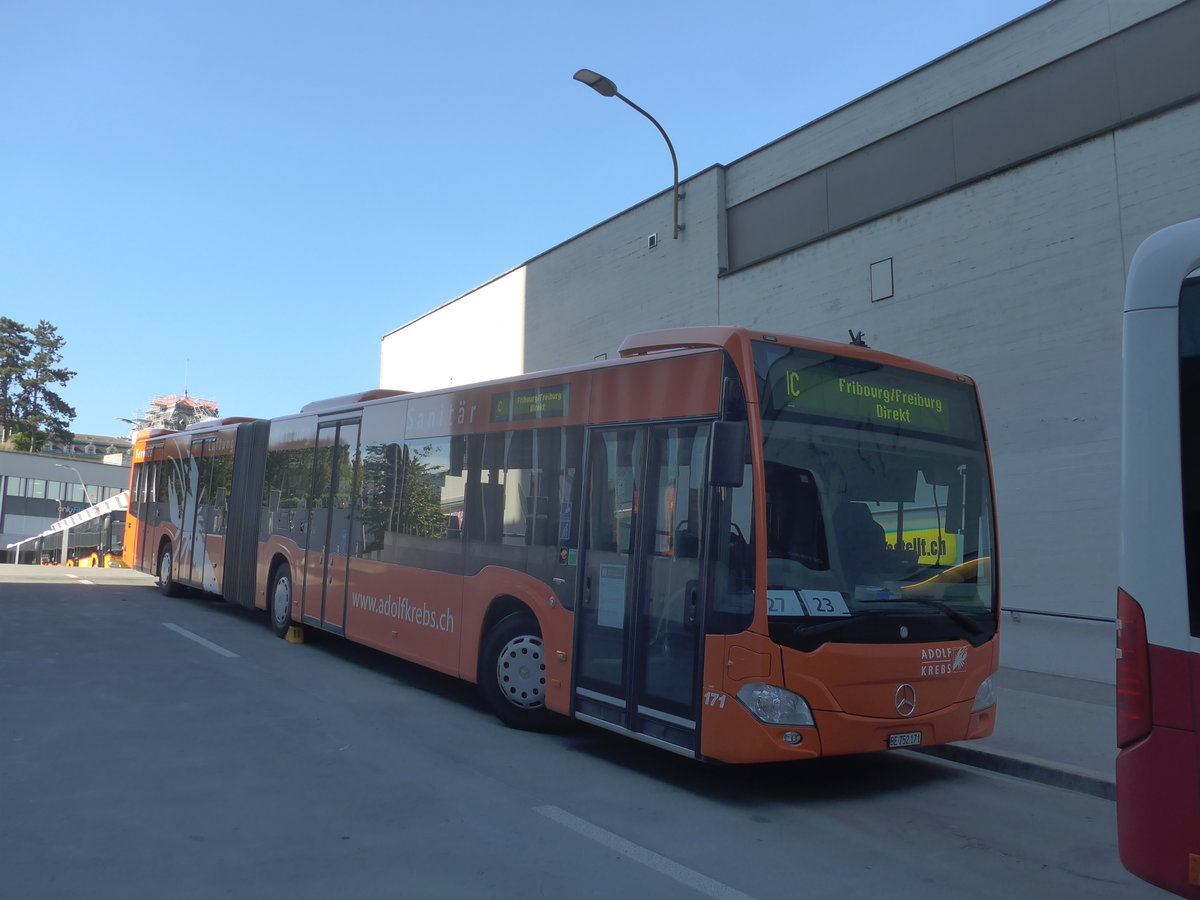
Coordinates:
(281, 605)
(164, 569)
(521, 672)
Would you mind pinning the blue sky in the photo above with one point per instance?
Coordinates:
(241, 198)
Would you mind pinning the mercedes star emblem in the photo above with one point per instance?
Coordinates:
(906, 700)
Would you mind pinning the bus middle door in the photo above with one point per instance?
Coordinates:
(197, 468)
(335, 469)
(638, 638)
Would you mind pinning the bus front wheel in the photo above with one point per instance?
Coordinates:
(281, 600)
(512, 672)
(166, 573)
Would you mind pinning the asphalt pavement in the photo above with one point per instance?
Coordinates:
(1051, 729)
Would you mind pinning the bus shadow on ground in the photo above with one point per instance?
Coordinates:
(753, 786)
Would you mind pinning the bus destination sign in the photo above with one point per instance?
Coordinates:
(865, 400)
(531, 403)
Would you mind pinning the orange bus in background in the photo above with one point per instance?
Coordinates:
(739, 547)
(97, 542)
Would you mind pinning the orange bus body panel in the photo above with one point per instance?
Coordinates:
(689, 387)
(728, 731)
(412, 613)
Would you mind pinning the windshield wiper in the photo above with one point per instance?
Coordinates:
(824, 628)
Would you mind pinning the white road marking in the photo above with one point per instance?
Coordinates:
(690, 877)
(203, 642)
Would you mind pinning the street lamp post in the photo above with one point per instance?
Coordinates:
(605, 88)
(90, 501)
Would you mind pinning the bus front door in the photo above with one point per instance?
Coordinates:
(638, 634)
(334, 471)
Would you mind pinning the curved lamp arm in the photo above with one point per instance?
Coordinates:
(606, 88)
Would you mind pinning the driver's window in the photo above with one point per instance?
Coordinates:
(731, 598)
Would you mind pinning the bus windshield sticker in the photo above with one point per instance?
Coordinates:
(806, 603)
(825, 603)
(784, 603)
(531, 403)
(564, 521)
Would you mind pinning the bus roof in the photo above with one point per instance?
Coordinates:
(729, 338)
(1160, 265)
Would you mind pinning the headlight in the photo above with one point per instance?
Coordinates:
(986, 696)
(774, 705)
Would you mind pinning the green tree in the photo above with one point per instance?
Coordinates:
(30, 368)
(15, 347)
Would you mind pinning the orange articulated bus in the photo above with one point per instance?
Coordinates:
(735, 546)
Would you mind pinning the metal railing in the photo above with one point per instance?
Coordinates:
(1017, 613)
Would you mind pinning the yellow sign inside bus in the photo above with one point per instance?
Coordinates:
(933, 547)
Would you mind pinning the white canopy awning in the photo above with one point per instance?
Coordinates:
(112, 504)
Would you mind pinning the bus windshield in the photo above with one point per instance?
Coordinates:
(879, 526)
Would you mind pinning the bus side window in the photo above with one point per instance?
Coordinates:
(432, 505)
(381, 485)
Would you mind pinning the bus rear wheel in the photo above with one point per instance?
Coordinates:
(166, 573)
(512, 672)
(280, 600)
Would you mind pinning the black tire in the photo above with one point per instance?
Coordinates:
(279, 600)
(512, 673)
(166, 573)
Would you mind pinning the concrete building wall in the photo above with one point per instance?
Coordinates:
(586, 295)
(1003, 225)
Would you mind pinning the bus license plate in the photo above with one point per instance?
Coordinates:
(906, 739)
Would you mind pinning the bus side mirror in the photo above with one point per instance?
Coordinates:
(728, 454)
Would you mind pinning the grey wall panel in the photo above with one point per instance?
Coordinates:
(1056, 106)
(794, 213)
(899, 170)
(1157, 63)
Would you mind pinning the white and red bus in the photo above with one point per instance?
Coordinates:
(735, 546)
(1158, 600)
